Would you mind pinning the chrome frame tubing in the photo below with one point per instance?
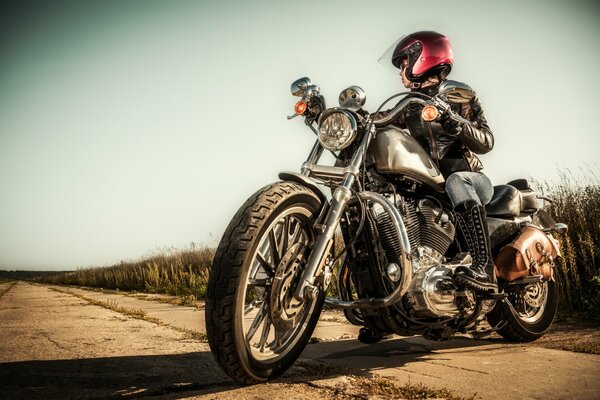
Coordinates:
(313, 158)
(405, 260)
(341, 196)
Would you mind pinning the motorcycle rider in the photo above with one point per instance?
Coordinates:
(425, 59)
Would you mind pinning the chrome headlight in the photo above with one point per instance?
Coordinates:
(337, 129)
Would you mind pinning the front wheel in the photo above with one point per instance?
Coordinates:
(256, 328)
(527, 312)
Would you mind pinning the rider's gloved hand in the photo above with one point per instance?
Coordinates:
(450, 124)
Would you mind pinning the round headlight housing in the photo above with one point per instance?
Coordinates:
(337, 129)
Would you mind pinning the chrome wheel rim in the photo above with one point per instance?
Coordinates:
(273, 321)
(530, 302)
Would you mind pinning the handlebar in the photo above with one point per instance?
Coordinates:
(397, 110)
(314, 99)
(441, 105)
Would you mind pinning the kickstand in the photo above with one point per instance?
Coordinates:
(481, 334)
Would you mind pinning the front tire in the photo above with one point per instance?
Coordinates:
(526, 313)
(256, 329)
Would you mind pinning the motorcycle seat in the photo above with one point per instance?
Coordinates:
(521, 184)
(529, 202)
(506, 202)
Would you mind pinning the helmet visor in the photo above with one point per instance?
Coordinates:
(385, 60)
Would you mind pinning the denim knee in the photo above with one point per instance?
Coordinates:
(466, 185)
(457, 177)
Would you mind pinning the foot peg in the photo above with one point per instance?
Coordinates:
(476, 285)
(492, 296)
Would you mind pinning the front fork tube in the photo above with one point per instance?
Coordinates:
(324, 240)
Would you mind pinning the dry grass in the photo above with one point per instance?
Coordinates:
(2, 293)
(132, 312)
(577, 203)
(184, 273)
(181, 273)
(111, 304)
(365, 386)
(382, 386)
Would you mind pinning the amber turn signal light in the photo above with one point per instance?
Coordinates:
(300, 107)
(429, 113)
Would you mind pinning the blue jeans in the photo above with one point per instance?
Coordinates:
(465, 185)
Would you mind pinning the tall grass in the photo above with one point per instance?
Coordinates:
(176, 272)
(576, 202)
(185, 272)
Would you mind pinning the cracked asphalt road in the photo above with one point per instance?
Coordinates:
(57, 346)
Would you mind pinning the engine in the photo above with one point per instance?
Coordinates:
(431, 293)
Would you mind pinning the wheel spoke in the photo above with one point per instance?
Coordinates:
(260, 282)
(284, 236)
(268, 268)
(262, 313)
(264, 334)
(299, 236)
(273, 247)
(524, 307)
(278, 339)
(296, 230)
(253, 305)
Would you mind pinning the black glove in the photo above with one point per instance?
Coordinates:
(449, 124)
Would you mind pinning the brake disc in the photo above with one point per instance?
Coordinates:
(534, 295)
(285, 309)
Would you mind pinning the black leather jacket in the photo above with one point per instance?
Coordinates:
(450, 143)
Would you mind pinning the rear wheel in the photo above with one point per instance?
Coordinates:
(527, 312)
(255, 326)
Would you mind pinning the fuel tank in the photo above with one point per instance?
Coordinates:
(395, 152)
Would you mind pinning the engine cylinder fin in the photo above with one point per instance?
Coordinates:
(389, 239)
(437, 235)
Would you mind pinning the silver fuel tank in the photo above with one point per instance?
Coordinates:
(395, 152)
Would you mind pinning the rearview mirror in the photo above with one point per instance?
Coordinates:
(456, 92)
(299, 86)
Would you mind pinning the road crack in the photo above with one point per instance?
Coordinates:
(54, 342)
(456, 367)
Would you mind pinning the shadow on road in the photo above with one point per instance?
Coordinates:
(194, 373)
(389, 353)
(113, 377)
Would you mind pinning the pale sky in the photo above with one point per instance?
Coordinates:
(130, 126)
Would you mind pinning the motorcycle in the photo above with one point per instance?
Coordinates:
(396, 271)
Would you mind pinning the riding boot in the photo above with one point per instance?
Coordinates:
(472, 222)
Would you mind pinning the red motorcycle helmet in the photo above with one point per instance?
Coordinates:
(428, 53)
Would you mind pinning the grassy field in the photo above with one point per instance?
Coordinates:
(578, 205)
(185, 272)
(176, 272)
